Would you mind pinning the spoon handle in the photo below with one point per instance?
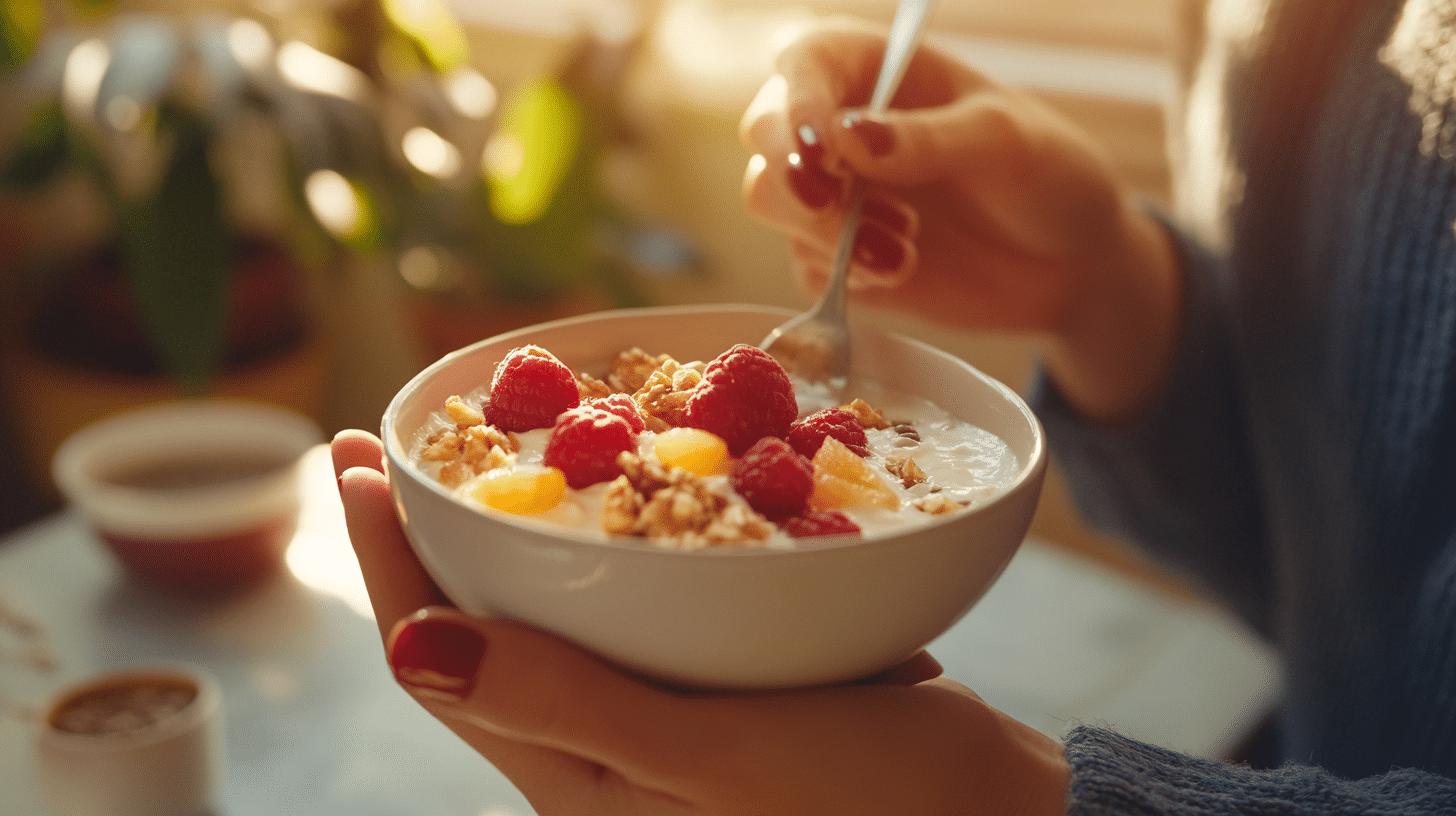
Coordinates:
(910, 16)
(904, 35)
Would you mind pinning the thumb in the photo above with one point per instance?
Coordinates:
(914, 146)
(526, 685)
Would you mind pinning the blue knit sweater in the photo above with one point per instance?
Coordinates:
(1301, 464)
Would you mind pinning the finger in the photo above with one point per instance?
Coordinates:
(355, 448)
(762, 127)
(917, 669)
(979, 131)
(553, 781)
(767, 196)
(521, 683)
(829, 69)
(397, 583)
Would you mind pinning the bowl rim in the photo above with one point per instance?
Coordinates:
(163, 429)
(397, 459)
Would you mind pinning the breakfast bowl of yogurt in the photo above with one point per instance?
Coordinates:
(650, 486)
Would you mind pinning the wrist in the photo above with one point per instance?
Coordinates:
(1111, 353)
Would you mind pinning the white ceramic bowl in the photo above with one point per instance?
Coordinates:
(723, 618)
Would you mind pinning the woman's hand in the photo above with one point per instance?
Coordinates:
(985, 210)
(579, 737)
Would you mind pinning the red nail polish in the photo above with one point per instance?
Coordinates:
(816, 188)
(893, 218)
(875, 135)
(437, 655)
(811, 147)
(877, 248)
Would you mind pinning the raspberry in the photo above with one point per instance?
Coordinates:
(530, 389)
(584, 445)
(744, 396)
(773, 478)
(623, 406)
(808, 434)
(819, 523)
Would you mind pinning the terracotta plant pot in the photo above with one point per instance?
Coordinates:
(77, 352)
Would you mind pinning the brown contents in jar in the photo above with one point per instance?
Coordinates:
(122, 706)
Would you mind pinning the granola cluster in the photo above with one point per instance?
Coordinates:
(469, 448)
(675, 509)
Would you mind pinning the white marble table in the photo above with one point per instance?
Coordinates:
(315, 724)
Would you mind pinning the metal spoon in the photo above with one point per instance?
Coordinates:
(815, 344)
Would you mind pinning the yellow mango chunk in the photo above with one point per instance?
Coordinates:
(524, 492)
(842, 479)
(701, 453)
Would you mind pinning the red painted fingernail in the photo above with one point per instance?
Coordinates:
(437, 655)
(877, 248)
(816, 188)
(893, 218)
(875, 135)
(811, 147)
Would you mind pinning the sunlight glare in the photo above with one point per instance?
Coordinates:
(334, 202)
(471, 93)
(250, 43)
(309, 69)
(429, 153)
(85, 68)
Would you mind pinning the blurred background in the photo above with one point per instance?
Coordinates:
(305, 201)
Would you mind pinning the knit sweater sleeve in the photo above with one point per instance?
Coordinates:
(1178, 481)
(1116, 776)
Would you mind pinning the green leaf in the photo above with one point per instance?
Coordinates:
(43, 150)
(20, 27)
(178, 258)
(535, 146)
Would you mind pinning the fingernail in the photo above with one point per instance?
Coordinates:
(811, 147)
(877, 248)
(893, 218)
(437, 655)
(815, 187)
(875, 135)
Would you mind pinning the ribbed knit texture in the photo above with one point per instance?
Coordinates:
(1116, 776)
(1302, 464)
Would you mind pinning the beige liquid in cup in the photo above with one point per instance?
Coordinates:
(123, 706)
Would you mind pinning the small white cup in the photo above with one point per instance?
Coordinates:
(199, 495)
(94, 761)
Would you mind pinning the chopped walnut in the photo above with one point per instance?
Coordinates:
(469, 451)
(664, 396)
(589, 387)
(632, 368)
(936, 504)
(675, 509)
(463, 413)
(866, 414)
(905, 469)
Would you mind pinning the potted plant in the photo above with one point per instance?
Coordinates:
(159, 165)
(511, 222)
